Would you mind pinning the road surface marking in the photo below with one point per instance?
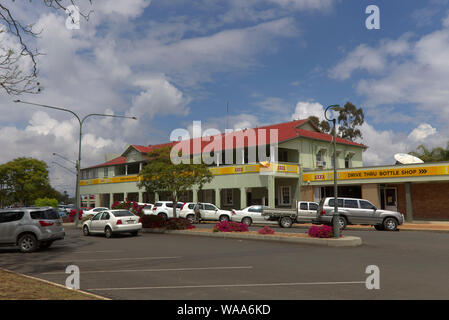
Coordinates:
(114, 259)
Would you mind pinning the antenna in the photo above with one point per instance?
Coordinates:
(403, 158)
(227, 114)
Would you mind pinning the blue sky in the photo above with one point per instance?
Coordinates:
(172, 62)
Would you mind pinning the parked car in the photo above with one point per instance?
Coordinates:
(93, 211)
(147, 208)
(30, 228)
(305, 212)
(358, 211)
(250, 215)
(208, 211)
(164, 209)
(111, 222)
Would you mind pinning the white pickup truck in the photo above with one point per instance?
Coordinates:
(305, 212)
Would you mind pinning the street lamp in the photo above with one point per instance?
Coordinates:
(336, 216)
(78, 163)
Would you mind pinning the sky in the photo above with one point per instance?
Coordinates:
(172, 62)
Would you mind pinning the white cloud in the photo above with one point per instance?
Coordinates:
(423, 131)
(305, 109)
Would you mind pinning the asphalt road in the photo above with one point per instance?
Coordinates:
(413, 265)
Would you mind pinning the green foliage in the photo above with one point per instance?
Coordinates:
(46, 202)
(160, 174)
(349, 118)
(23, 180)
(435, 155)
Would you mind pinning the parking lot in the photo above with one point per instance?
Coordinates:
(413, 265)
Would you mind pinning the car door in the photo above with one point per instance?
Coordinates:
(313, 207)
(210, 212)
(352, 211)
(9, 222)
(103, 221)
(303, 211)
(95, 223)
(255, 212)
(369, 212)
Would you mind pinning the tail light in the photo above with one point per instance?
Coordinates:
(183, 206)
(323, 212)
(118, 222)
(233, 212)
(45, 223)
(154, 208)
(140, 220)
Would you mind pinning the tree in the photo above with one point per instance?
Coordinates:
(434, 155)
(349, 118)
(160, 174)
(14, 77)
(46, 202)
(24, 180)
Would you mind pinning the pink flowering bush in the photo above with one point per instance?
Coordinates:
(321, 232)
(266, 230)
(128, 205)
(229, 226)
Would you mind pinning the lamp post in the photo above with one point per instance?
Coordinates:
(336, 216)
(78, 163)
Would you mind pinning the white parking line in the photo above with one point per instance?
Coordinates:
(232, 285)
(105, 251)
(114, 259)
(157, 270)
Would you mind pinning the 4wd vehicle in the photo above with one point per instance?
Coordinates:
(164, 209)
(358, 211)
(208, 211)
(305, 212)
(30, 228)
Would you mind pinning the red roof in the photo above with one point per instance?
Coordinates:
(286, 131)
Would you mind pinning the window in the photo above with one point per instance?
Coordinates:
(10, 216)
(303, 206)
(123, 213)
(351, 204)
(209, 207)
(313, 206)
(50, 214)
(332, 202)
(283, 155)
(255, 209)
(169, 204)
(133, 168)
(285, 195)
(105, 172)
(179, 205)
(229, 197)
(97, 216)
(105, 216)
(366, 205)
(347, 162)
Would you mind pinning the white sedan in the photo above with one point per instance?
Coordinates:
(111, 222)
(250, 215)
(93, 211)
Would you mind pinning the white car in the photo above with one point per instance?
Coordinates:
(93, 211)
(250, 215)
(164, 209)
(208, 211)
(111, 222)
(147, 208)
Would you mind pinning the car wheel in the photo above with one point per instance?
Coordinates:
(379, 227)
(247, 220)
(286, 222)
(86, 231)
(28, 243)
(163, 215)
(108, 232)
(45, 244)
(224, 218)
(191, 218)
(342, 222)
(390, 224)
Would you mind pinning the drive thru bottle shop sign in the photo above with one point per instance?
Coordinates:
(378, 174)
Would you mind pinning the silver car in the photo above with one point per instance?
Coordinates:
(30, 228)
(111, 222)
(250, 215)
(358, 211)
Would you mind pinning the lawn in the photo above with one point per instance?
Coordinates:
(17, 287)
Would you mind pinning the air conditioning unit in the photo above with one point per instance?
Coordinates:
(321, 164)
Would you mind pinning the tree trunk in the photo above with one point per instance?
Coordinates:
(175, 203)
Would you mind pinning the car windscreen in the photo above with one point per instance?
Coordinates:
(123, 213)
(48, 214)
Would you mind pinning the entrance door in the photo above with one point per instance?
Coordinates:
(391, 202)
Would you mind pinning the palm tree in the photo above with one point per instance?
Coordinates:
(434, 155)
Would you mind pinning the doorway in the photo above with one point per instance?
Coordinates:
(389, 199)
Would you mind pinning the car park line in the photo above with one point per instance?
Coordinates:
(157, 270)
(232, 285)
(114, 259)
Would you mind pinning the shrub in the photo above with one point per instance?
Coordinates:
(73, 212)
(129, 205)
(321, 232)
(266, 230)
(152, 221)
(229, 226)
(46, 202)
(178, 224)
